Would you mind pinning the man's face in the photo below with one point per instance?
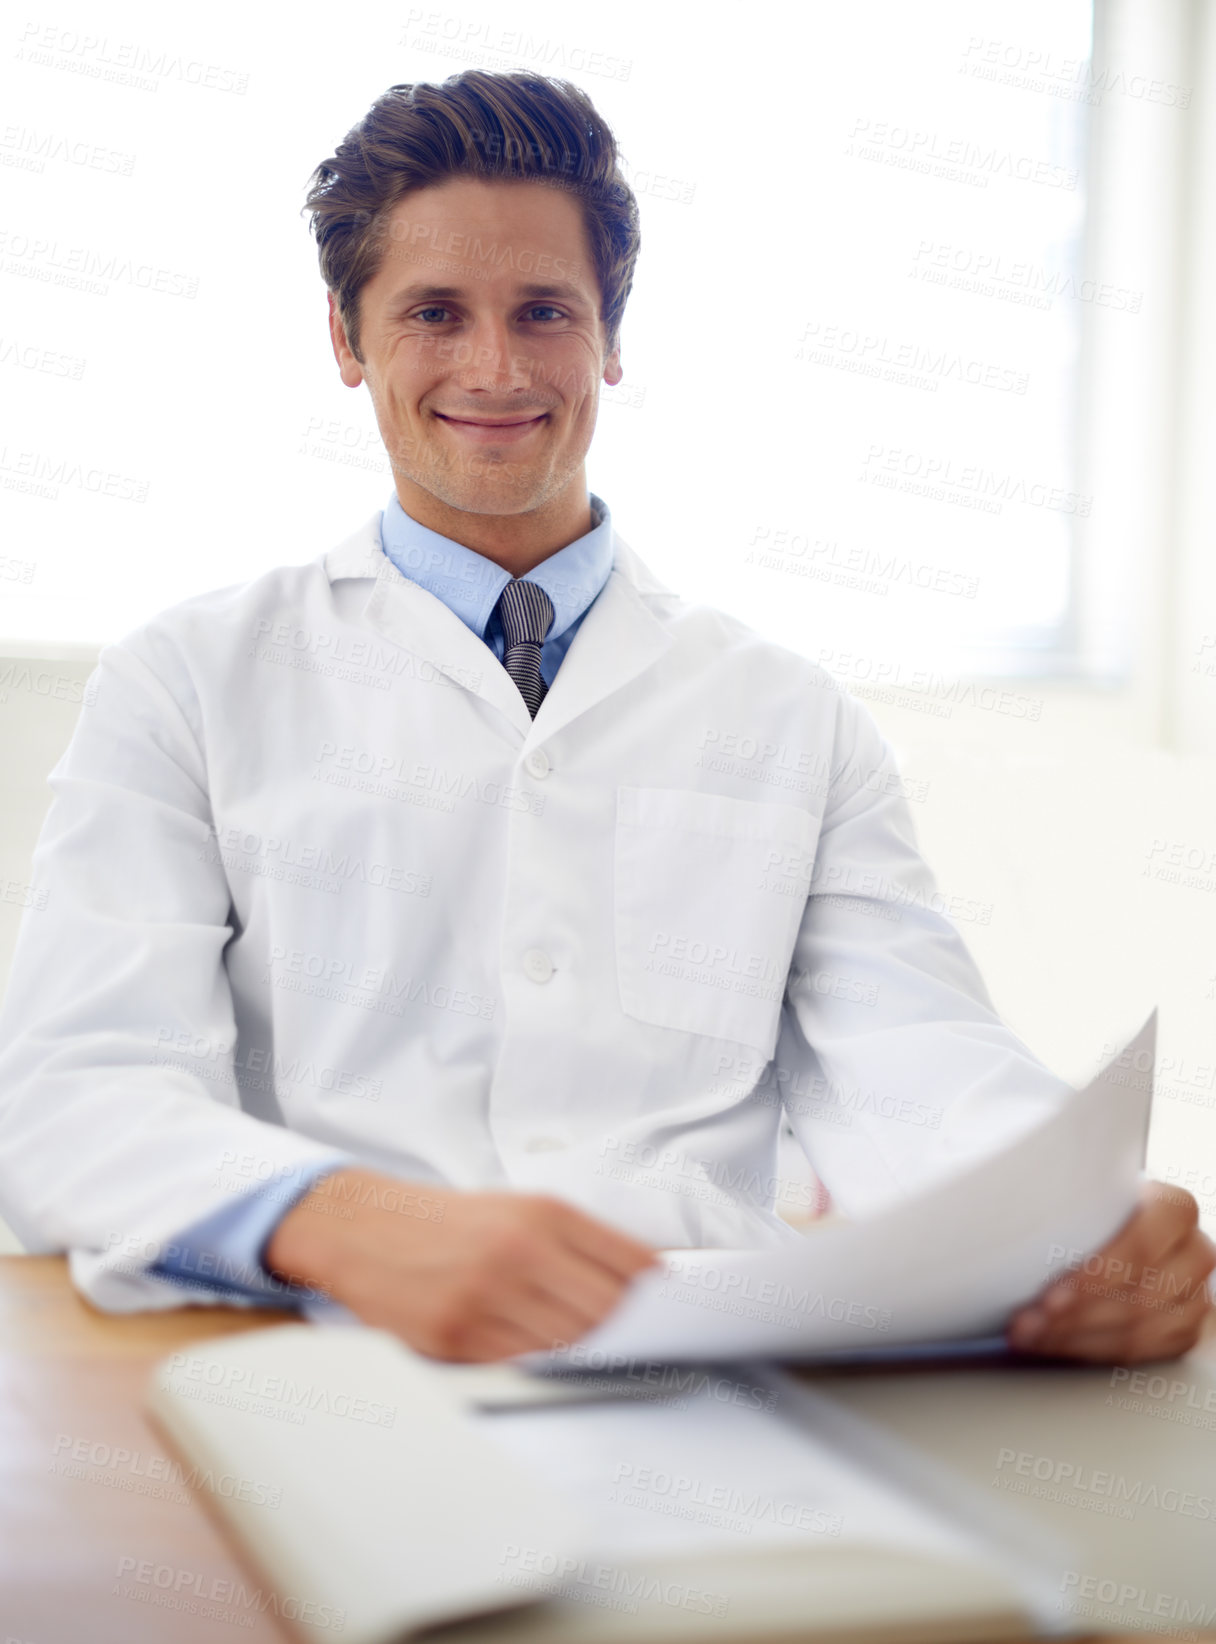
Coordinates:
(483, 350)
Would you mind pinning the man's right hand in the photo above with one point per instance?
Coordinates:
(465, 1276)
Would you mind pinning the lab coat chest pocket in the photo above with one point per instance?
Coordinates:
(708, 894)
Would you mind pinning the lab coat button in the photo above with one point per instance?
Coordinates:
(544, 1144)
(537, 763)
(537, 965)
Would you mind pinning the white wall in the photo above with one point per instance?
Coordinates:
(39, 702)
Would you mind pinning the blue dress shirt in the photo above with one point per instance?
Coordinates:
(224, 1250)
(470, 584)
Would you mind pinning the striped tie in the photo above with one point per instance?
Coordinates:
(526, 613)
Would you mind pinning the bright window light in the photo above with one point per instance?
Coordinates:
(851, 353)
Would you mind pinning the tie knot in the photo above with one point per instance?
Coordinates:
(525, 611)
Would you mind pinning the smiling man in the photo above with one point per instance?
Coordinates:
(405, 940)
(485, 382)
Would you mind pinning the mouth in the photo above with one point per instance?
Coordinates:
(492, 431)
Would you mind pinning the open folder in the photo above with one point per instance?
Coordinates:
(388, 1494)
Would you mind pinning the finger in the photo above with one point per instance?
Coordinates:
(597, 1242)
(473, 1321)
(1035, 1329)
(1131, 1318)
(1165, 1219)
(1154, 1192)
(1122, 1345)
(490, 1340)
(541, 1323)
(479, 1337)
(587, 1289)
(1132, 1334)
(1128, 1318)
(1096, 1313)
(1175, 1283)
(1111, 1273)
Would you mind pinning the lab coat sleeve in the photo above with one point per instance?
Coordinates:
(893, 1064)
(108, 1144)
(224, 1251)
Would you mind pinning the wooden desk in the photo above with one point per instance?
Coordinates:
(72, 1381)
(73, 1378)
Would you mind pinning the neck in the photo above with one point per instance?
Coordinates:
(514, 542)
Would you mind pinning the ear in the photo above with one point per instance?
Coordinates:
(349, 367)
(612, 368)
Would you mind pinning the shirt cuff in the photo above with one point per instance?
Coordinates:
(224, 1251)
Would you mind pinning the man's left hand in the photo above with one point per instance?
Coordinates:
(1142, 1296)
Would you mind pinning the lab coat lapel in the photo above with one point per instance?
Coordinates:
(621, 634)
(409, 616)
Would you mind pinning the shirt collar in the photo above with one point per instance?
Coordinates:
(469, 584)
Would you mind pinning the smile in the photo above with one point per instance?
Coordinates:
(492, 433)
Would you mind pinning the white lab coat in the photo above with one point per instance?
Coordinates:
(315, 879)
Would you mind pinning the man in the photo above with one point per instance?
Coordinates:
(402, 943)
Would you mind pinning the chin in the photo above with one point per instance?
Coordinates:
(504, 493)
(483, 504)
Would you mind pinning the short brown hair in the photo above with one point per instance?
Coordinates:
(475, 124)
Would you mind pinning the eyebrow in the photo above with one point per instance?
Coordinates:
(432, 293)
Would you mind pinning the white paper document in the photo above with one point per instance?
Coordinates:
(954, 1261)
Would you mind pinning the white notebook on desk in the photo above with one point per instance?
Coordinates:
(393, 1495)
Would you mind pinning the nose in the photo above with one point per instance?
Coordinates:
(491, 359)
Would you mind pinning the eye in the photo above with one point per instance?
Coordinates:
(432, 308)
(544, 308)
